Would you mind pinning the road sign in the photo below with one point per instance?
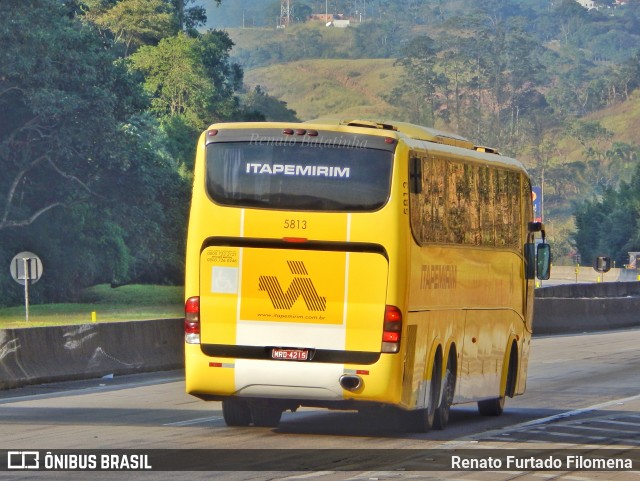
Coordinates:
(26, 266)
(536, 193)
(602, 264)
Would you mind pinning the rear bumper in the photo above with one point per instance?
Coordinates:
(311, 383)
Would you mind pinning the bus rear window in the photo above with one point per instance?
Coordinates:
(298, 177)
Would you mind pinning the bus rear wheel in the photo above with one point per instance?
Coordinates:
(495, 407)
(423, 419)
(491, 407)
(441, 418)
(236, 412)
(265, 415)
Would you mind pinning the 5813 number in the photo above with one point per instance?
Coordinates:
(295, 224)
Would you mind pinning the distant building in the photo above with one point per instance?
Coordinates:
(332, 19)
(327, 17)
(594, 5)
(588, 4)
(339, 23)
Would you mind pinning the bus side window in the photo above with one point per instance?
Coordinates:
(415, 175)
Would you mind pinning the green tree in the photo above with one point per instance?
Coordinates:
(191, 83)
(609, 226)
(302, 12)
(133, 22)
(189, 17)
(190, 77)
(57, 86)
(628, 76)
(379, 39)
(421, 81)
(482, 78)
(270, 108)
(84, 172)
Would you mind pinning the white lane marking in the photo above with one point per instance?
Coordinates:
(591, 428)
(565, 415)
(496, 433)
(575, 412)
(189, 422)
(309, 475)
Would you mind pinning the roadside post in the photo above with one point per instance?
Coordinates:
(26, 268)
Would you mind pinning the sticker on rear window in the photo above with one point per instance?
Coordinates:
(224, 280)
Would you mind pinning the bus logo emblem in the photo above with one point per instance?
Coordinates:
(300, 286)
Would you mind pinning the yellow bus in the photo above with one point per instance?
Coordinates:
(357, 265)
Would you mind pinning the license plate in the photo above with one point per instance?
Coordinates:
(290, 354)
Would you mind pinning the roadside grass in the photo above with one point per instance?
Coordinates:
(126, 303)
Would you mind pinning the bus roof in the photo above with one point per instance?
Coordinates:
(416, 136)
(413, 131)
(448, 142)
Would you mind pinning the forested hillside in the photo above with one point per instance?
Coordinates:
(103, 101)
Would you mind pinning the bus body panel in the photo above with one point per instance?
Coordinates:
(433, 329)
(476, 293)
(292, 298)
(317, 302)
(474, 296)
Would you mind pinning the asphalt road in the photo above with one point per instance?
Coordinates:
(583, 392)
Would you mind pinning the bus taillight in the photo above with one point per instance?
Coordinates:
(392, 329)
(192, 320)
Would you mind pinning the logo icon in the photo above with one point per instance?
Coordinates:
(23, 460)
(300, 286)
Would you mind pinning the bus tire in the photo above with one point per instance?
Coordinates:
(491, 407)
(236, 412)
(495, 407)
(423, 418)
(441, 418)
(265, 415)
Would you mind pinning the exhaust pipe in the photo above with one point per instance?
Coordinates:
(350, 382)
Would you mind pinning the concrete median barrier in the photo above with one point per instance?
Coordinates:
(573, 308)
(46, 354)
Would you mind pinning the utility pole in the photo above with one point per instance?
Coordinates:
(542, 196)
(285, 13)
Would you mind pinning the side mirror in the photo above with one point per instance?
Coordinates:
(543, 261)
